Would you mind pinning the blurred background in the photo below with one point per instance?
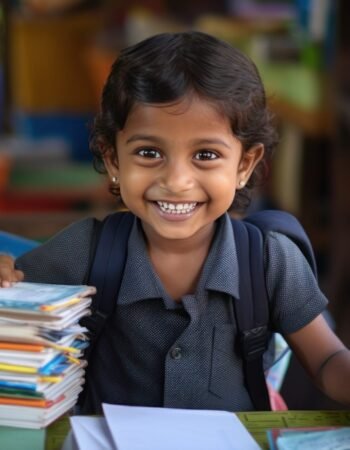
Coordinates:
(56, 54)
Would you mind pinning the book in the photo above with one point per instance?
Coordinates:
(33, 334)
(37, 382)
(44, 390)
(21, 438)
(35, 417)
(338, 438)
(41, 349)
(41, 296)
(274, 433)
(54, 319)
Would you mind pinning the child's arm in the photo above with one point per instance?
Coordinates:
(62, 259)
(324, 357)
(8, 273)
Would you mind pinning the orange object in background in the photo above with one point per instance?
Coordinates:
(99, 61)
(48, 71)
(5, 167)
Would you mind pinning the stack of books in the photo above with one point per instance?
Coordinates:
(41, 342)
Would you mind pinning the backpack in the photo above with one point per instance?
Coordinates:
(252, 315)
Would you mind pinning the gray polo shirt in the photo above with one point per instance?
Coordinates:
(156, 352)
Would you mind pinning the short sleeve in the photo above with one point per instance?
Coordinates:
(296, 298)
(63, 259)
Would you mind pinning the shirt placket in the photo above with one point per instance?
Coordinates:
(181, 368)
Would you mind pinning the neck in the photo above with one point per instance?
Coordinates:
(179, 262)
(199, 242)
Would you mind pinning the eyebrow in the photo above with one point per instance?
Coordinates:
(157, 139)
(143, 137)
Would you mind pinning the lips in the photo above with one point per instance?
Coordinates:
(176, 208)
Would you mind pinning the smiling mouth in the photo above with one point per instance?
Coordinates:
(176, 208)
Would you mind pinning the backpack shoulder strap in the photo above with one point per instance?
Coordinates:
(252, 310)
(107, 269)
(287, 224)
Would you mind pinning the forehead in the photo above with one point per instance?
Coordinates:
(191, 113)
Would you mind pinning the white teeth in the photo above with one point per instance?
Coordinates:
(176, 208)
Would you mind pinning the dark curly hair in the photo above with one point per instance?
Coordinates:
(166, 67)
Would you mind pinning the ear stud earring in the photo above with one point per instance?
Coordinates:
(114, 180)
(241, 183)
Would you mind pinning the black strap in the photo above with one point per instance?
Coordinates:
(287, 224)
(252, 311)
(107, 270)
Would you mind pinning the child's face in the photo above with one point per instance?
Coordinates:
(179, 167)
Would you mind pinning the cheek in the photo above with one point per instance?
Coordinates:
(134, 184)
(223, 181)
(223, 187)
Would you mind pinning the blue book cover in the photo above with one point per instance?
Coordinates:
(36, 296)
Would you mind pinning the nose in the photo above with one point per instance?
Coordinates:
(177, 176)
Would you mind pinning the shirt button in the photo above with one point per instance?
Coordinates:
(176, 353)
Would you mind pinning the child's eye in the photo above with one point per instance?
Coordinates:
(206, 155)
(149, 153)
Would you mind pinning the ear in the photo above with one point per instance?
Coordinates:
(110, 161)
(249, 161)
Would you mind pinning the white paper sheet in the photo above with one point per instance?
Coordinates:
(143, 428)
(91, 433)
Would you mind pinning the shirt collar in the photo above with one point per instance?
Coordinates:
(139, 280)
(220, 271)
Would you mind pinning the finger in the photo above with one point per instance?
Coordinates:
(8, 276)
(6, 260)
(6, 273)
(19, 275)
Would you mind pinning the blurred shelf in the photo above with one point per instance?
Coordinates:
(74, 181)
(312, 122)
(41, 225)
(39, 201)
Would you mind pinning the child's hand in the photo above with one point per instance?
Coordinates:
(8, 273)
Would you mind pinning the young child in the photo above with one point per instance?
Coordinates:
(183, 133)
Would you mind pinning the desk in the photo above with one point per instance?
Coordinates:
(256, 422)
